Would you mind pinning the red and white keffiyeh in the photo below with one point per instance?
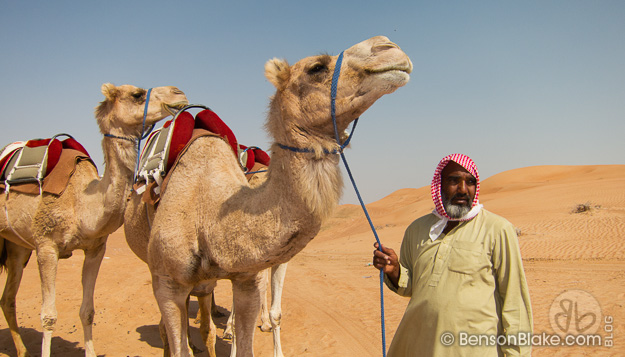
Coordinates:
(439, 211)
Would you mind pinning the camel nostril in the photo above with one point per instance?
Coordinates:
(383, 47)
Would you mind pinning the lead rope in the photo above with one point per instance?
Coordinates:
(333, 89)
(143, 135)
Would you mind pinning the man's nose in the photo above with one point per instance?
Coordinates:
(462, 187)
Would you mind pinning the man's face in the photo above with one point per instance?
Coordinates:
(457, 190)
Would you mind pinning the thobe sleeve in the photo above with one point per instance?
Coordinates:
(512, 291)
(404, 287)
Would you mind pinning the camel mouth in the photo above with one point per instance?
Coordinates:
(406, 68)
(177, 105)
(173, 108)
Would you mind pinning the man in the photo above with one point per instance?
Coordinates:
(462, 269)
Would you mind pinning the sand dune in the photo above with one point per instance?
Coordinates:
(331, 300)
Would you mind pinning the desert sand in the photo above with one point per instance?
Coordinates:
(331, 302)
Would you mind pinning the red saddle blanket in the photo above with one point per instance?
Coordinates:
(185, 131)
(59, 166)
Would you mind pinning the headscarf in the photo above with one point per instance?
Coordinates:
(439, 211)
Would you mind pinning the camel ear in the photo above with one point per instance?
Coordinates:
(110, 91)
(278, 72)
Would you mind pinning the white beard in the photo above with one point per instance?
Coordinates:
(455, 211)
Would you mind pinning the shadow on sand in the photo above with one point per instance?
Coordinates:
(32, 339)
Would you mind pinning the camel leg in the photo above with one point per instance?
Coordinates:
(193, 347)
(229, 325)
(17, 258)
(162, 331)
(172, 302)
(214, 311)
(48, 259)
(207, 326)
(278, 272)
(90, 269)
(265, 324)
(264, 311)
(247, 306)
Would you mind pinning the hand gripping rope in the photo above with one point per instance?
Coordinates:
(333, 89)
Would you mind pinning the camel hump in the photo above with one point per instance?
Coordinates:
(166, 144)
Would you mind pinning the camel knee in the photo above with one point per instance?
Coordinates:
(7, 305)
(87, 316)
(48, 322)
(275, 317)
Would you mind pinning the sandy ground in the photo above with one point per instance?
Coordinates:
(331, 302)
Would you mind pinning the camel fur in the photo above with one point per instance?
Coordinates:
(90, 208)
(212, 225)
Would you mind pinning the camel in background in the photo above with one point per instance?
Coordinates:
(90, 208)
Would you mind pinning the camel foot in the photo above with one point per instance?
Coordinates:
(227, 335)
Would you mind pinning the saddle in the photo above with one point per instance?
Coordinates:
(40, 165)
(165, 146)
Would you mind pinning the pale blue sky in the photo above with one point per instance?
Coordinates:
(510, 83)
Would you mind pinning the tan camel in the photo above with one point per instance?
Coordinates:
(212, 225)
(85, 214)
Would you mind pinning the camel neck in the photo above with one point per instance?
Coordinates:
(116, 182)
(313, 177)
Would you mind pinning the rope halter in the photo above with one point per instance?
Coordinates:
(333, 90)
(144, 133)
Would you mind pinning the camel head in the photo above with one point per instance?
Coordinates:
(300, 110)
(121, 111)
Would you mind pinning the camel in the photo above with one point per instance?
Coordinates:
(85, 214)
(212, 225)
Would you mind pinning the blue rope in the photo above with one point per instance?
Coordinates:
(142, 135)
(333, 90)
(132, 140)
(379, 247)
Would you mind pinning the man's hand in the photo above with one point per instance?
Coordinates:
(386, 260)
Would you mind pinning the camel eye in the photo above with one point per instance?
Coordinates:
(137, 95)
(317, 68)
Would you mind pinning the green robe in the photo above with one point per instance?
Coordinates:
(468, 282)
